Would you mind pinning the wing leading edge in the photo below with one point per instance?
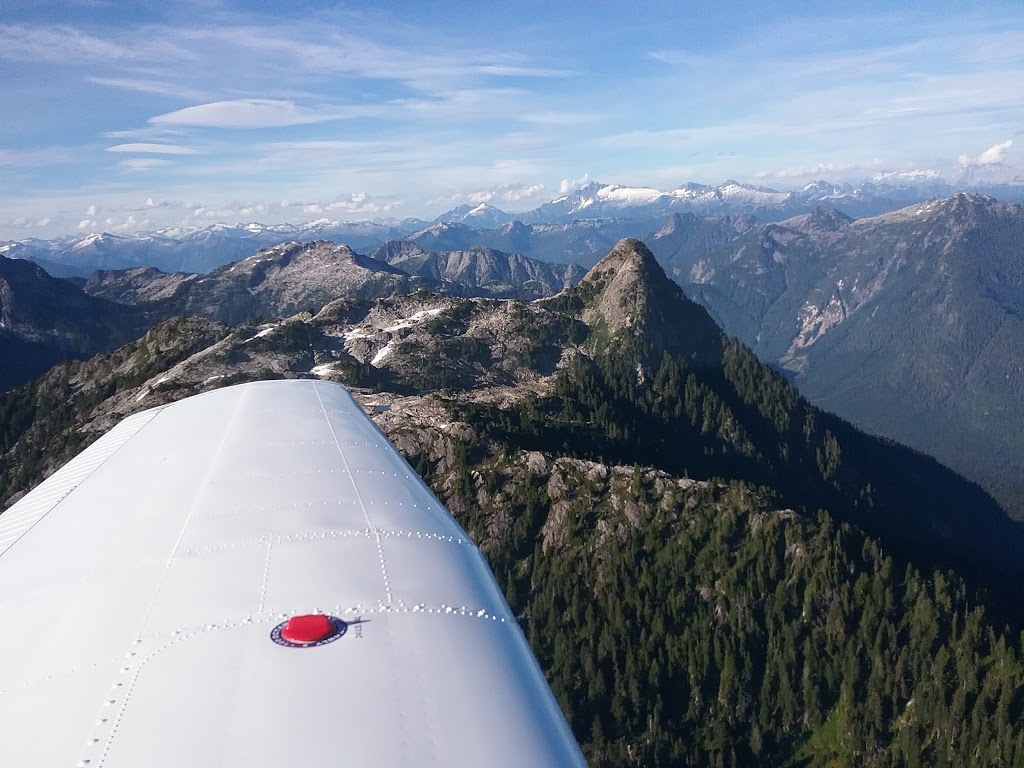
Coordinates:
(140, 588)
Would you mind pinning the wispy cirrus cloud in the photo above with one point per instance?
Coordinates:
(153, 149)
(554, 117)
(255, 113)
(56, 43)
(155, 87)
(66, 43)
(142, 164)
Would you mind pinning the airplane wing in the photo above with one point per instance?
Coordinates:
(255, 577)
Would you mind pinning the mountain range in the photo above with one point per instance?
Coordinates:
(577, 227)
(906, 323)
(45, 320)
(886, 192)
(710, 569)
(909, 324)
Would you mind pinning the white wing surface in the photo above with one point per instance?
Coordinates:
(254, 577)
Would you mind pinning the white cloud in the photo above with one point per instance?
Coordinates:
(86, 224)
(130, 224)
(143, 164)
(60, 43)
(996, 154)
(680, 58)
(153, 149)
(819, 170)
(92, 210)
(357, 203)
(149, 86)
(303, 49)
(568, 186)
(503, 193)
(505, 70)
(250, 113)
(523, 193)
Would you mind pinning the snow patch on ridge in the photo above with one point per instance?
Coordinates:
(409, 322)
(381, 355)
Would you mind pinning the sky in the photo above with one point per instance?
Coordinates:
(130, 115)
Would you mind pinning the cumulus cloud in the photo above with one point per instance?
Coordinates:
(91, 210)
(130, 224)
(522, 193)
(568, 186)
(501, 193)
(997, 154)
(819, 169)
(356, 203)
(87, 224)
(153, 149)
(251, 113)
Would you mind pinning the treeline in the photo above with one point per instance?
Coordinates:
(715, 626)
(719, 630)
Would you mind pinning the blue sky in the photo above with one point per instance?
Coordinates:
(122, 115)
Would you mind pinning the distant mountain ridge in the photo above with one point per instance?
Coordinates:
(910, 324)
(595, 200)
(193, 249)
(46, 320)
(500, 274)
(294, 277)
(614, 211)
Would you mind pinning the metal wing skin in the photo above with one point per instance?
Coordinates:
(147, 588)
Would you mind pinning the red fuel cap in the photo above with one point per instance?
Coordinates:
(311, 628)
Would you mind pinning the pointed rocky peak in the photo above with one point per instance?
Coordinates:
(677, 222)
(821, 219)
(396, 251)
(515, 228)
(303, 262)
(968, 203)
(964, 209)
(628, 295)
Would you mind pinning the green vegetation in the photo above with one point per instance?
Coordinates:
(706, 623)
(928, 350)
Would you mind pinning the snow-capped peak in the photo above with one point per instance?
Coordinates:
(916, 175)
(628, 195)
